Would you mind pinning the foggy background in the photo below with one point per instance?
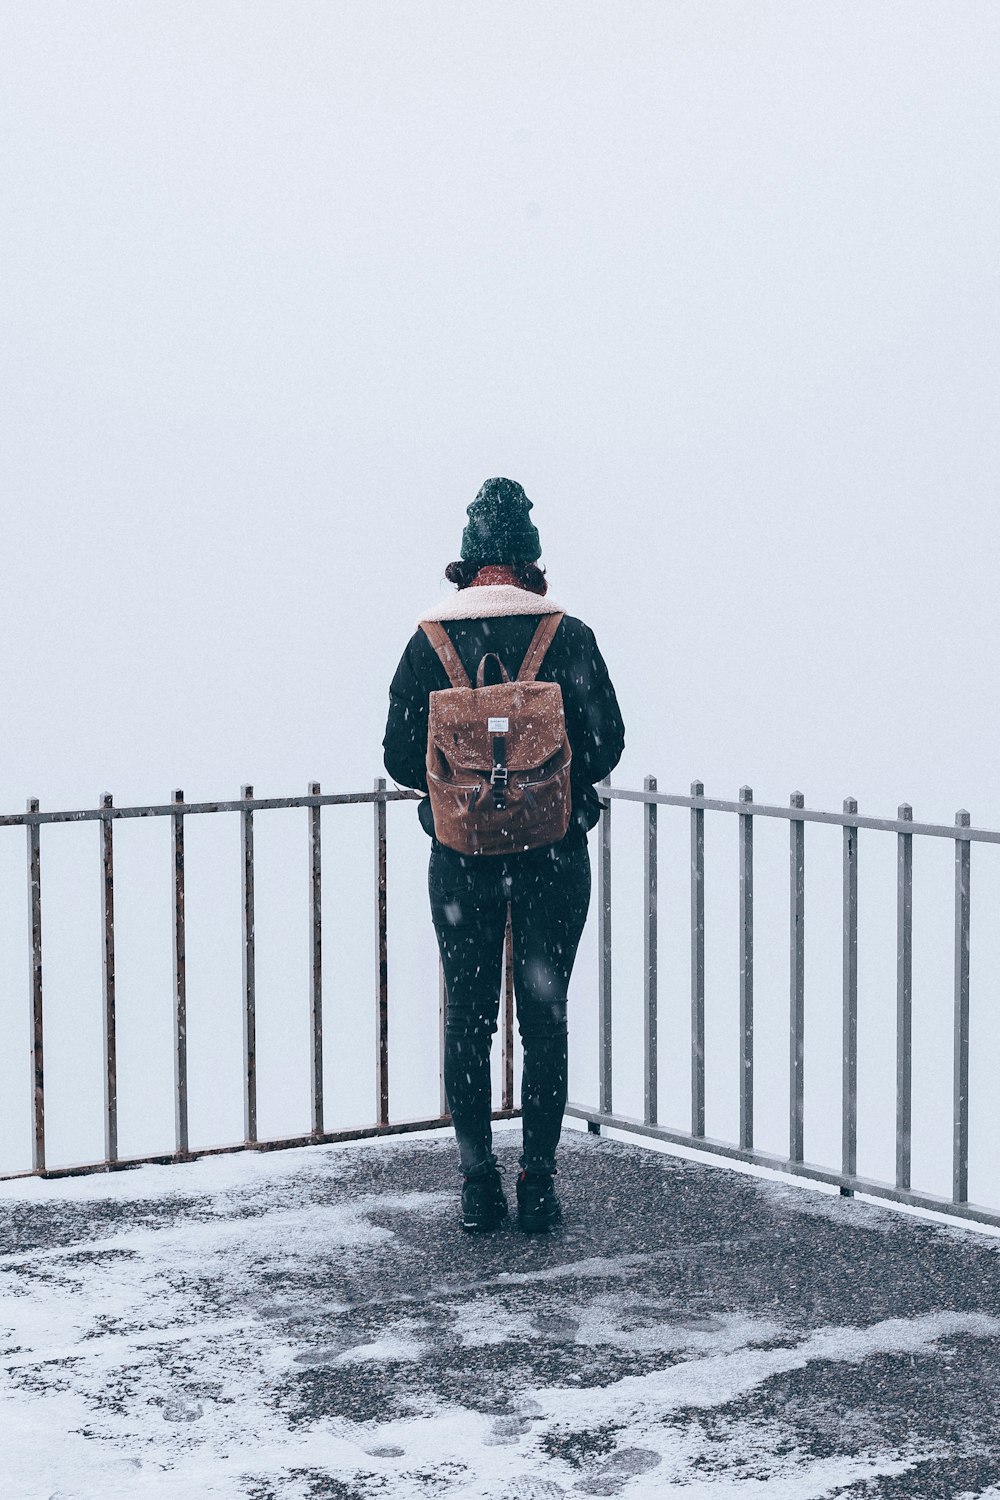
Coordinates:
(280, 285)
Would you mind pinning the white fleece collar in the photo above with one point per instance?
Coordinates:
(488, 600)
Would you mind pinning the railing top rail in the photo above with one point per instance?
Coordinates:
(958, 830)
(807, 815)
(171, 809)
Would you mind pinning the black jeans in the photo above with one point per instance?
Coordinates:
(549, 892)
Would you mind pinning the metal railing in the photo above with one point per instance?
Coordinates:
(797, 816)
(178, 811)
(962, 835)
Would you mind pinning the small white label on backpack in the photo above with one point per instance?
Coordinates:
(498, 726)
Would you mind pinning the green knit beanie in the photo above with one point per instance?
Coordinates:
(499, 529)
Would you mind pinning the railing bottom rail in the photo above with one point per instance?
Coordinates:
(848, 1183)
(326, 1138)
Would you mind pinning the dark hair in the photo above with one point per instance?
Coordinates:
(528, 574)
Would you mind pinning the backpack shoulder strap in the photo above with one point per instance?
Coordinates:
(441, 641)
(540, 643)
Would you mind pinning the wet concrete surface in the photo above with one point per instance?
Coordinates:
(323, 1327)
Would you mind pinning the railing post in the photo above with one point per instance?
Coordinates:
(604, 947)
(249, 978)
(381, 958)
(507, 1092)
(181, 1137)
(650, 1048)
(960, 1161)
(904, 997)
(442, 1023)
(746, 973)
(697, 963)
(316, 964)
(797, 984)
(110, 1037)
(37, 1038)
(849, 1134)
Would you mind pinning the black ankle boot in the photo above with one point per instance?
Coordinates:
(537, 1205)
(484, 1206)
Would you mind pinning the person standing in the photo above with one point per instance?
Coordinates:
(504, 833)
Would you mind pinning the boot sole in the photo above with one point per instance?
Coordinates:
(479, 1226)
(538, 1225)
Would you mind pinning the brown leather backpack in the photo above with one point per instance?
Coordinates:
(498, 758)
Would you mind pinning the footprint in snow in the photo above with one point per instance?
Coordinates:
(326, 1354)
(533, 1487)
(614, 1472)
(181, 1409)
(555, 1325)
(506, 1430)
(695, 1322)
(513, 1420)
(352, 1432)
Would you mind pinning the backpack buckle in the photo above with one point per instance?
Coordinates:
(498, 780)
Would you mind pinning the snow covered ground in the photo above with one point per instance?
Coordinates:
(314, 1324)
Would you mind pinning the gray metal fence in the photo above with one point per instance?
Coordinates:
(745, 810)
(178, 811)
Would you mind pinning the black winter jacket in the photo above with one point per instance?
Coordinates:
(593, 719)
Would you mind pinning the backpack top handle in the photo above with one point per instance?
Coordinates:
(481, 674)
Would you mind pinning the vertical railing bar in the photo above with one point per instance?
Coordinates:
(604, 956)
(904, 999)
(849, 1103)
(249, 977)
(442, 1024)
(697, 963)
(109, 1027)
(960, 1161)
(507, 1093)
(181, 1137)
(797, 984)
(746, 972)
(381, 958)
(650, 1035)
(316, 963)
(37, 1029)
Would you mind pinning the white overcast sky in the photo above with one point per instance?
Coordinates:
(282, 283)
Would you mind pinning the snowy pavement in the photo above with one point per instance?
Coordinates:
(314, 1324)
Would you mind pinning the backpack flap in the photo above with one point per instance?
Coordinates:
(532, 712)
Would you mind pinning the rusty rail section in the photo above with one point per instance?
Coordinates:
(177, 810)
(745, 810)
